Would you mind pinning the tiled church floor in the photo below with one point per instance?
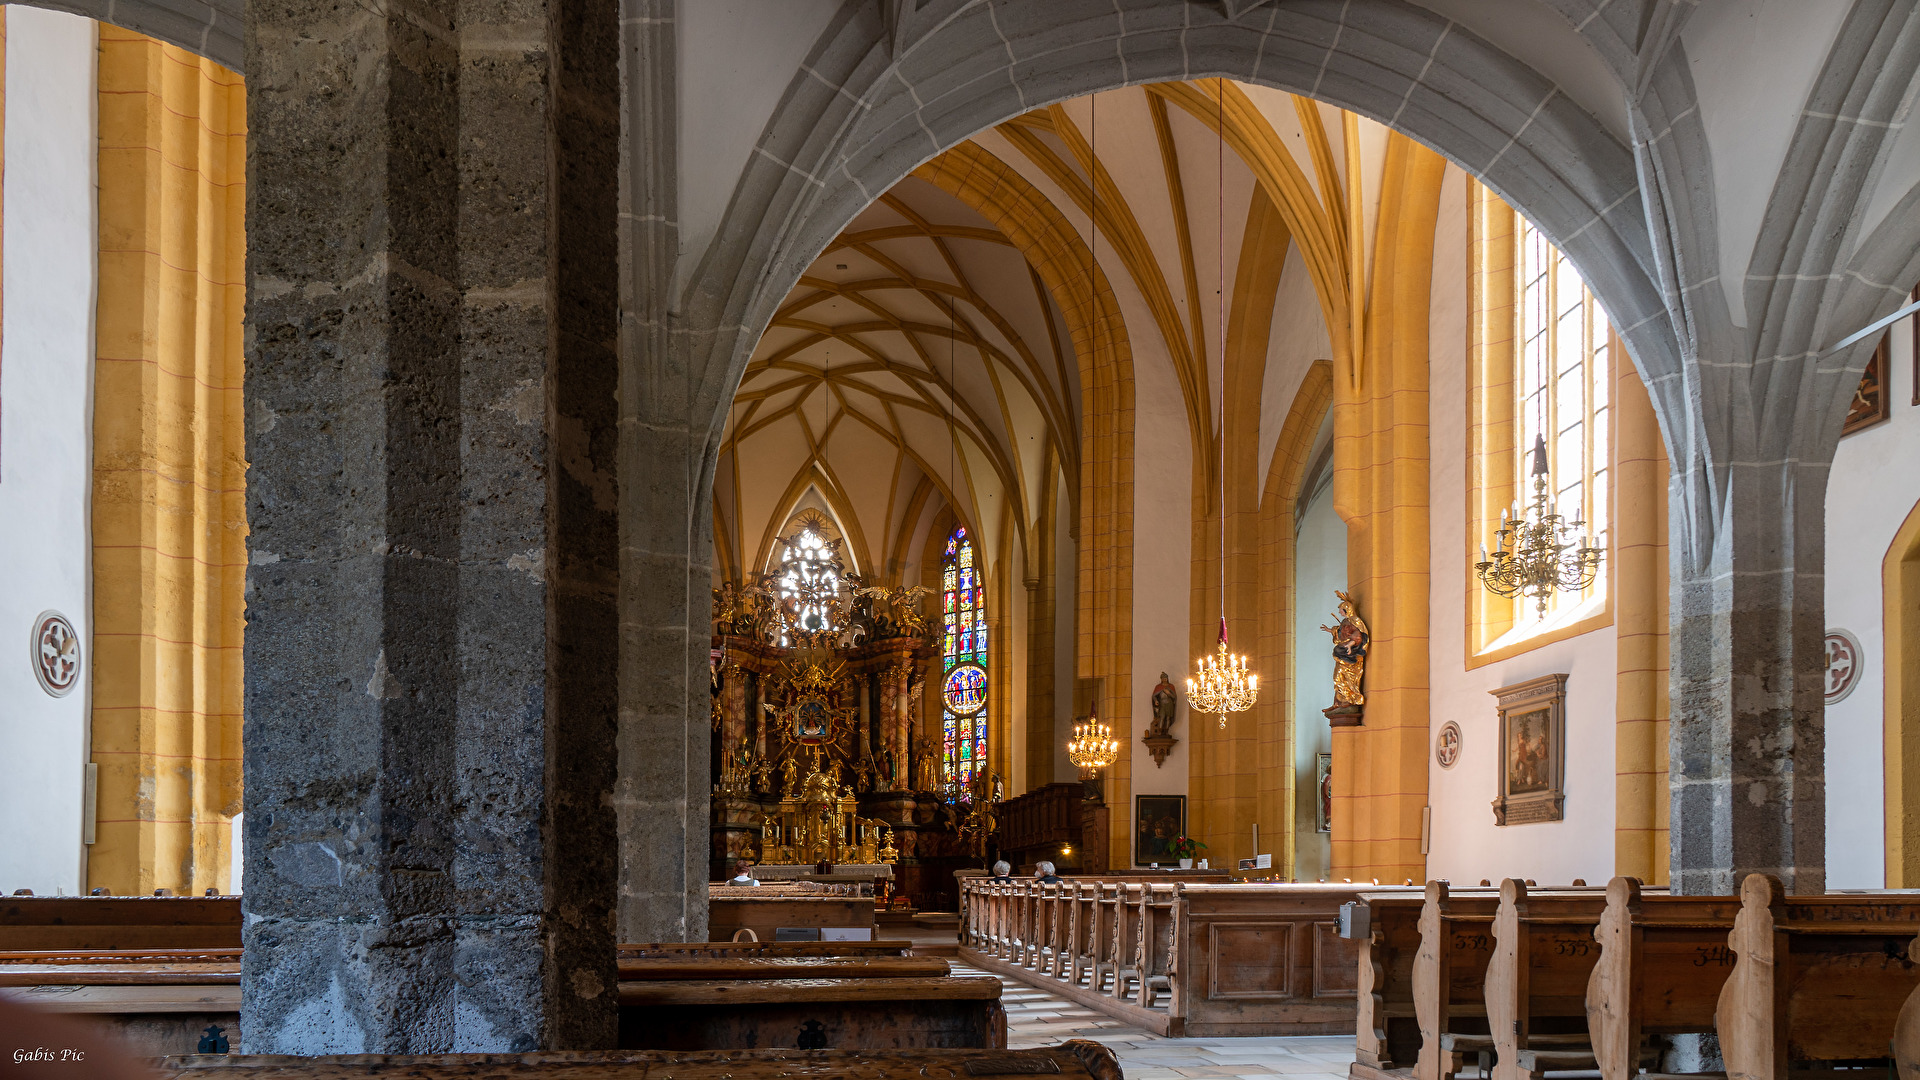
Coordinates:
(1038, 1018)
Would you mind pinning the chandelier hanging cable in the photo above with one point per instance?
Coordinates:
(1093, 746)
(1543, 553)
(1223, 683)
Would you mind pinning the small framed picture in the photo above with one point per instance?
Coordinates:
(1871, 397)
(1323, 793)
(1158, 820)
(1533, 753)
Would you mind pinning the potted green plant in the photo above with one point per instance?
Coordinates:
(1184, 848)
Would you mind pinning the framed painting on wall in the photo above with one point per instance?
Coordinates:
(1323, 793)
(1533, 751)
(1157, 821)
(1870, 398)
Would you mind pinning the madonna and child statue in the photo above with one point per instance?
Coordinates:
(1350, 643)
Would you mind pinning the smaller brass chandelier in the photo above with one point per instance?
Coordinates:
(1541, 554)
(1225, 684)
(1093, 746)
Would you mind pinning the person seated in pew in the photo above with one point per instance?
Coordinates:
(1043, 873)
(1002, 871)
(743, 873)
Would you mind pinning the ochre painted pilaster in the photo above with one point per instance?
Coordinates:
(1225, 770)
(1493, 260)
(1900, 581)
(1041, 585)
(1638, 578)
(1381, 482)
(1274, 714)
(169, 511)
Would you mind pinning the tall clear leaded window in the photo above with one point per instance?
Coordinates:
(1564, 379)
(963, 683)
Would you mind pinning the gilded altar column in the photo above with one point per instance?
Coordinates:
(862, 745)
(894, 727)
(916, 690)
(761, 721)
(733, 709)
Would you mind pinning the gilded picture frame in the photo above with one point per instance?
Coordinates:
(1157, 820)
(1533, 751)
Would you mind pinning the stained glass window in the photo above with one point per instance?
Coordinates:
(963, 684)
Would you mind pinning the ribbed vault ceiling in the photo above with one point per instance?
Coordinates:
(921, 362)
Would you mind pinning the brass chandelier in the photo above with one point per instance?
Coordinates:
(1223, 683)
(1541, 554)
(1093, 746)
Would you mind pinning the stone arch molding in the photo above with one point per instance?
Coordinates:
(890, 86)
(214, 29)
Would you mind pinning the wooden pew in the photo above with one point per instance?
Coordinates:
(1263, 960)
(776, 967)
(1077, 1059)
(151, 1006)
(1174, 957)
(118, 922)
(1663, 960)
(1448, 979)
(1386, 1031)
(850, 1012)
(1817, 979)
(1544, 954)
(683, 949)
(766, 912)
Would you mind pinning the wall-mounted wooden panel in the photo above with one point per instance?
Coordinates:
(1252, 960)
(1335, 963)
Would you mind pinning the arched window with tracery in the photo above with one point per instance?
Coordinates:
(963, 684)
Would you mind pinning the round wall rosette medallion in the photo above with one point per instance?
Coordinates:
(54, 651)
(1446, 745)
(1845, 660)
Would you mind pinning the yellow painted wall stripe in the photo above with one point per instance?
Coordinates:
(169, 478)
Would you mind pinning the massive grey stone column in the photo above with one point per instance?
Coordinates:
(1747, 745)
(432, 626)
(666, 505)
(1752, 419)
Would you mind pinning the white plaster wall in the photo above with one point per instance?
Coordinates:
(1018, 625)
(1298, 338)
(1320, 567)
(1162, 555)
(1466, 846)
(46, 380)
(1872, 489)
(1066, 613)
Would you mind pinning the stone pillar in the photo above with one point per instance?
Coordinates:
(430, 392)
(1747, 742)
